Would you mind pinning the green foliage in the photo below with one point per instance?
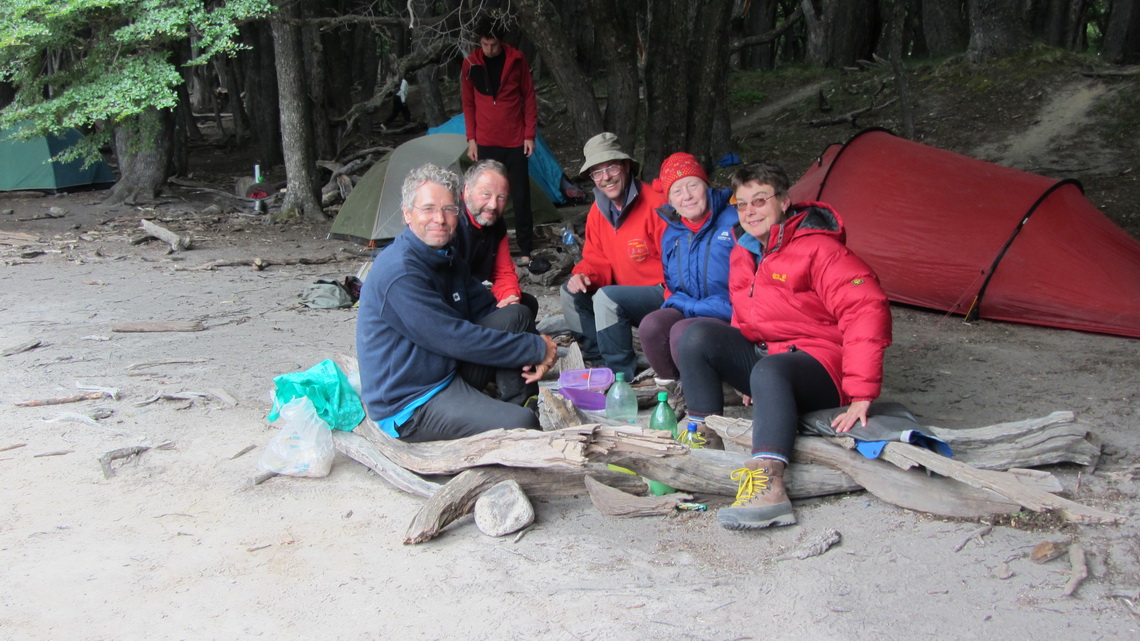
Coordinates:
(82, 62)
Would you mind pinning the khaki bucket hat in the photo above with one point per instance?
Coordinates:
(603, 148)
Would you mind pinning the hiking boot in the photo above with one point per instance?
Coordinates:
(760, 499)
(713, 441)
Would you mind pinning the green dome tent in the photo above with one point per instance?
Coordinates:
(27, 164)
(372, 211)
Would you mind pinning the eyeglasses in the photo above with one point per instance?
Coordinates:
(432, 210)
(611, 169)
(755, 204)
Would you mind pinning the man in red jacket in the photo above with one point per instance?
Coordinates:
(501, 116)
(619, 279)
(481, 238)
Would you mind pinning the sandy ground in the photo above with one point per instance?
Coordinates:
(177, 546)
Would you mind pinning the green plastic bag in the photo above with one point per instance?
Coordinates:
(329, 390)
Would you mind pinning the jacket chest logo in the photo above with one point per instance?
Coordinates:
(783, 278)
(638, 250)
(455, 296)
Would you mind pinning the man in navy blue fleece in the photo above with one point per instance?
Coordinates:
(429, 336)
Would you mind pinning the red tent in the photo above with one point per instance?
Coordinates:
(959, 234)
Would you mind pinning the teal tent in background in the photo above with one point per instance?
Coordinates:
(544, 167)
(27, 164)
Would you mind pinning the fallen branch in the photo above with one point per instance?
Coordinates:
(22, 347)
(146, 364)
(12, 447)
(176, 242)
(457, 498)
(245, 450)
(260, 264)
(158, 326)
(813, 546)
(365, 452)
(61, 400)
(124, 452)
(850, 117)
(55, 453)
(614, 502)
(976, 535)
(1080, 570)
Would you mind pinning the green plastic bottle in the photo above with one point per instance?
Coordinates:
(663, 418)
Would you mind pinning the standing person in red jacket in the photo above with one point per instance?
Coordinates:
(501, 116)
(810, 324)
(619, 279)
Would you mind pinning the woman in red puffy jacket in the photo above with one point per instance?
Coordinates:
(810, 324)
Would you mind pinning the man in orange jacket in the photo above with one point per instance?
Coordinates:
(619, 279)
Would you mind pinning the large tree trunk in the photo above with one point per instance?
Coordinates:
(302, 197)
(761, 18)
(945, 26)
(840, 31)
(143, 146)
(614, 22)
(997, 30)
(321, 88)
(1122, 33)
(686, 81)
(1060, 23)
(427, 78)
(544, 28)
(227, 76)
(260, 79)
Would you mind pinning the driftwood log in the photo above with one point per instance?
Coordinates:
(176, 242)
(158, 326)
(555, 462)
(964, 490)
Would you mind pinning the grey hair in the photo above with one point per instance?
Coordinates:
(428, 173)
(476, 170)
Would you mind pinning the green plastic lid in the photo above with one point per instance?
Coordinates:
(620, 376)
(663, 397)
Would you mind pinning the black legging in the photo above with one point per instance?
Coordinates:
(782, 386)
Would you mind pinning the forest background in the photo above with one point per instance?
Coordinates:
(291, 83)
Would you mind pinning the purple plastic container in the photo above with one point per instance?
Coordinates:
(586, 387)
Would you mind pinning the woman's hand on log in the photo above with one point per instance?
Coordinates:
(856, 412)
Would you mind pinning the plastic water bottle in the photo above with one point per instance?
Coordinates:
(621, 401)
(692, 437)
(663, 418)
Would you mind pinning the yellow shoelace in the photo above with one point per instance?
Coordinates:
(751, 483)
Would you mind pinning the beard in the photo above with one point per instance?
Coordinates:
(487, 216)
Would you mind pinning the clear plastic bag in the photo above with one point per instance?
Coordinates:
(304, 446)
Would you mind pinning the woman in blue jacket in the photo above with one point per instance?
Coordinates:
(694, 252)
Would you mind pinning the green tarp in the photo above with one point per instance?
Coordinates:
(27, 164)
(372, 211)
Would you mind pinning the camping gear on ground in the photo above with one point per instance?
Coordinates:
(327, 294)
(886, 422)
(542, 165)
(324, 384)
(958, 234)
(303, 447)
(28, 164)
(585, 388)
(372, 211)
